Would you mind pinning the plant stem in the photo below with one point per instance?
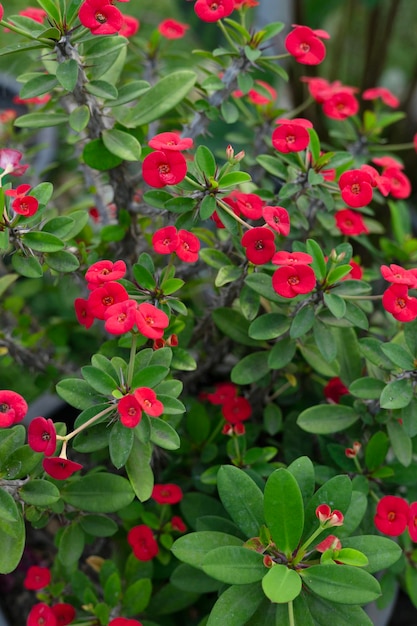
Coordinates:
(88, 423)
(227, 36)
(228, 210)
(131, 361)
(291, 620)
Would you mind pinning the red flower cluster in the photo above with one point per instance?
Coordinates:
(399, 185)
(337, 100)
(356, 188)
(166, 166)
(167, 494)
(395, 299)
(235, 409)
(327, 517)
(291, 135)
(130, 407)
(59, 614)
(185, 245)
(394, 515)
(143, 543)
(305, 45)
(334, 390)
(22, 203)
(295, 276)
(350, 222)
(100, 17)
(13, 408)
(171, 29)
(213, 10)
(387, 97)
(110, 301)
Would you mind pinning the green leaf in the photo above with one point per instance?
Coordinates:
(227, 274)
(399, 355)
(281, 584)
(341, 614)
(77, 393)
(150, 376)
(324, 341)
(41, 120)
(67, 74)
(367, 388)
(161, 98)
(214, 258)
(376, 450)
(38, 85)
(401, 443)
(71, 544)
(99, 493)
(12, 533)
(335, 304)
(42, 242)
(139, 471)
(324, 419)
(284, 510)
(27, 266)
(120, 444)
(250, 369)
(129, 92)
(397, 394)
(303, 471)
(97, 379)
(79, 118)
(188, 578)
(314, 147)
(229, 111)
(6, 281)
(164, 435)
(207, 207)
(302, 322)
(238, 603)
(234, 178)
(122, 144)
(313, 248)
(241, 498)
(102, 89)
(205, 162)
(269, 326)
(182, 360)
(50, 7)
(234, 565)
(136, 597)
(62, 261)
(380, 551)
(233, 325)
(98, 525)
(282, 353)
(96, 155)
(39, 493)
(344, 585)
(272, 165)
(193, 547)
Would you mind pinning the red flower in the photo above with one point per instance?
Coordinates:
(381, 182)
(83, 313)
(341, 104)
(130, 26)
(249, 204)
(167, 494)
(104, 297)
(151, 322)
(9, 162)
(213, 10)
(41, 615)
(277, 218)
(353, 452)
(171, 29)
(188, 246)
(23, 204)
(259, 244)
(330, 543)
(121, 317)
(397, 302)
(385, 94)
(355, 273)
(37, 578)
(291, 135)
(178, 524)
(1, 12)
(356, 188)
(142, 542)
(170, 141)
(350, 222)
(103, 272)
(13, 408)
(392, 515)
(64, 613)
(327, 517)
(42, 436)
(236, 410)
(223, 392)
(334, 390)
(60, 468)
(129, 410)
(305, 45)
(412, 521)
(148, 401)
(291, 258)
(124, 621)
(164, 168)
(101, 17)
(165, 240)
(256, 97)
(38, 15)
(290, 282)
(400, 183)
(397, 274)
